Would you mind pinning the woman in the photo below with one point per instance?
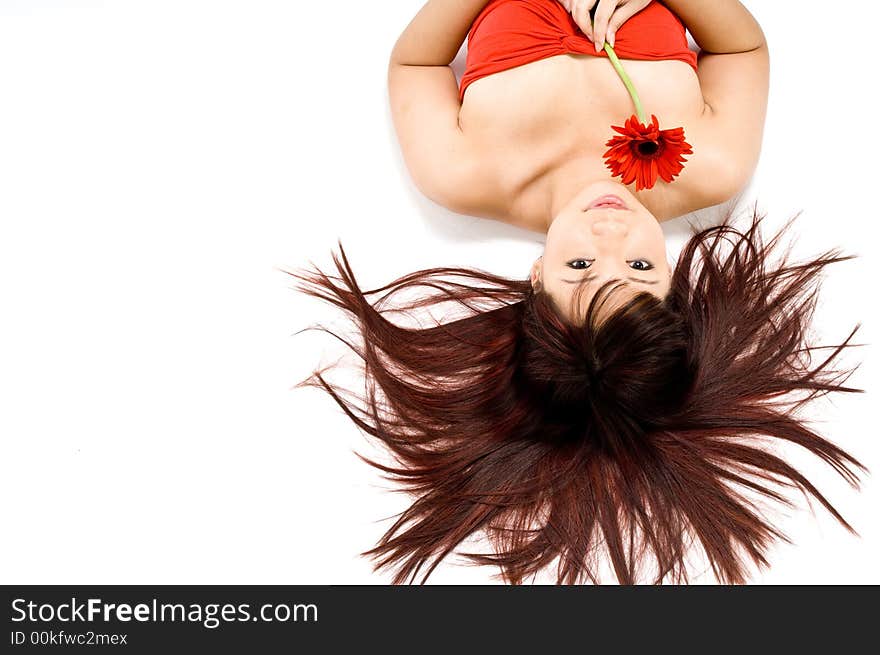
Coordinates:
(523, 138)
(634, 427)
(610, 404)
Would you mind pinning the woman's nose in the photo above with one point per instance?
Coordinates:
(609, 227)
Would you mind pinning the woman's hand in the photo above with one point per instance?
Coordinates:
(610, 15)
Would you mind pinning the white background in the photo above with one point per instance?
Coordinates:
(162, 162)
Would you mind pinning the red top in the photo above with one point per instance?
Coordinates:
(510, 33)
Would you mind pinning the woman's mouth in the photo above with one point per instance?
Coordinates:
(609, 201)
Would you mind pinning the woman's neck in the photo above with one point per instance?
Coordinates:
(568, 181)
(535, 204)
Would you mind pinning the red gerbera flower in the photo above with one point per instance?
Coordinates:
(645, 151)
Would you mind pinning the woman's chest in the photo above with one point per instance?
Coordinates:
(551, 110)
(543, 127)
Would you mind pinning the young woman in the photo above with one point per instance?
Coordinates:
(633, 428)
(609, 404)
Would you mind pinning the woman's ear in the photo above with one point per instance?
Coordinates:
(535, 275)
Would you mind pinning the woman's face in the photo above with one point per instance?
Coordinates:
(603, 234)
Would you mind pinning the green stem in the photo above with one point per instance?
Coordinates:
(640, 111)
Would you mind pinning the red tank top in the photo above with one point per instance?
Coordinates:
(510, 33)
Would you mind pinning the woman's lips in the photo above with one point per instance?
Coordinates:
(609, 201)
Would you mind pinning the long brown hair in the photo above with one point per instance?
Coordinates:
(632, 437)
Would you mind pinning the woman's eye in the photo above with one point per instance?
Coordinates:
(579, 263)
(640, 264)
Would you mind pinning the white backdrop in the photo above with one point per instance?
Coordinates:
(162, 161)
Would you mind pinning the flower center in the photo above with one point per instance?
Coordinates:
(648, 148)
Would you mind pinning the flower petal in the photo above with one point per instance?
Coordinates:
(666, 161)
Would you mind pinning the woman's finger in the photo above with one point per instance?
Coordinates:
(581, 14)
(600, 22)
(622, 14)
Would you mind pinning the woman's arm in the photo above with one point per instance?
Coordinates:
(435, 35)
(425, 107)
(734, 70)
(719, 26)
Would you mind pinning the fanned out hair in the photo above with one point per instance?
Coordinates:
(630, 438)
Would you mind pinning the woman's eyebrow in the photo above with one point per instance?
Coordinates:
(593, 277)
(589, 278)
